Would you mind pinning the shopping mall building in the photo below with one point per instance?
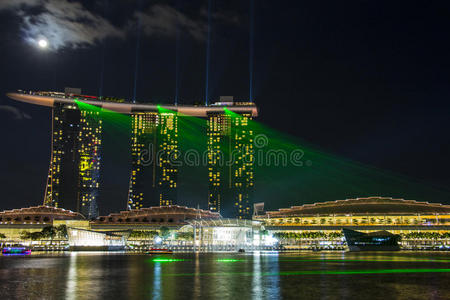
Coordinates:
(420, 224)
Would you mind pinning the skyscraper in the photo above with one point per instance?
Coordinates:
(230, 162)
(141, 192)
(218, 147)
(242, 170)
(74, 171)
(167, 154)
(73, 177)
(154, 146)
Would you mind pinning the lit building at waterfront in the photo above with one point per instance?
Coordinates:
(218, 147)
(76, 145)
(152, 217)
(167, 154)
(230, 160)
(32, 219)
(74, 172)
(419, 223)
(154, 146)
(242, 169)
(141, 192)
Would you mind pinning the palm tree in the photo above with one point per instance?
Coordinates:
(165, 232)
(48, 232)
(25, 235)
(61, 231)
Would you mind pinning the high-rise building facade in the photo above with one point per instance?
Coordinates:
(74, 172)
(230, 164)
(154, 148)
(141, 192)
(242, 170)
(166, 157)
(73, 178)
(218, 149)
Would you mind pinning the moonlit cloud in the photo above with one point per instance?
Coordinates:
(68, 24)
(63, 24)
(16, 113)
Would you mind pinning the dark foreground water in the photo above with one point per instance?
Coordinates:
(307, 275)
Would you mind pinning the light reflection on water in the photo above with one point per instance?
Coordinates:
(259, 275)
(71, 281)
(156, 293)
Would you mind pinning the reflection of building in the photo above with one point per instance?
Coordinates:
(73, 178)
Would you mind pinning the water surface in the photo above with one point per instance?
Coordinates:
(261, 275)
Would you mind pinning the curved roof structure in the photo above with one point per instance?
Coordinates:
(370, 205)
(49, 99)
(39, 214)
(223, 222)
(158, 214)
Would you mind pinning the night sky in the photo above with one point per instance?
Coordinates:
(362, 80)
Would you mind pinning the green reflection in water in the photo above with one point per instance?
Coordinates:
(167, 259)
(318, 272)
(228, 260)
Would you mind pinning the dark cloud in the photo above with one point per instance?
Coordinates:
(222, 16)
(163, 20)
(16, 113)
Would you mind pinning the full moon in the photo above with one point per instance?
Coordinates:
(43, 43)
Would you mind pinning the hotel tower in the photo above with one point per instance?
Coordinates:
(74, 173)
